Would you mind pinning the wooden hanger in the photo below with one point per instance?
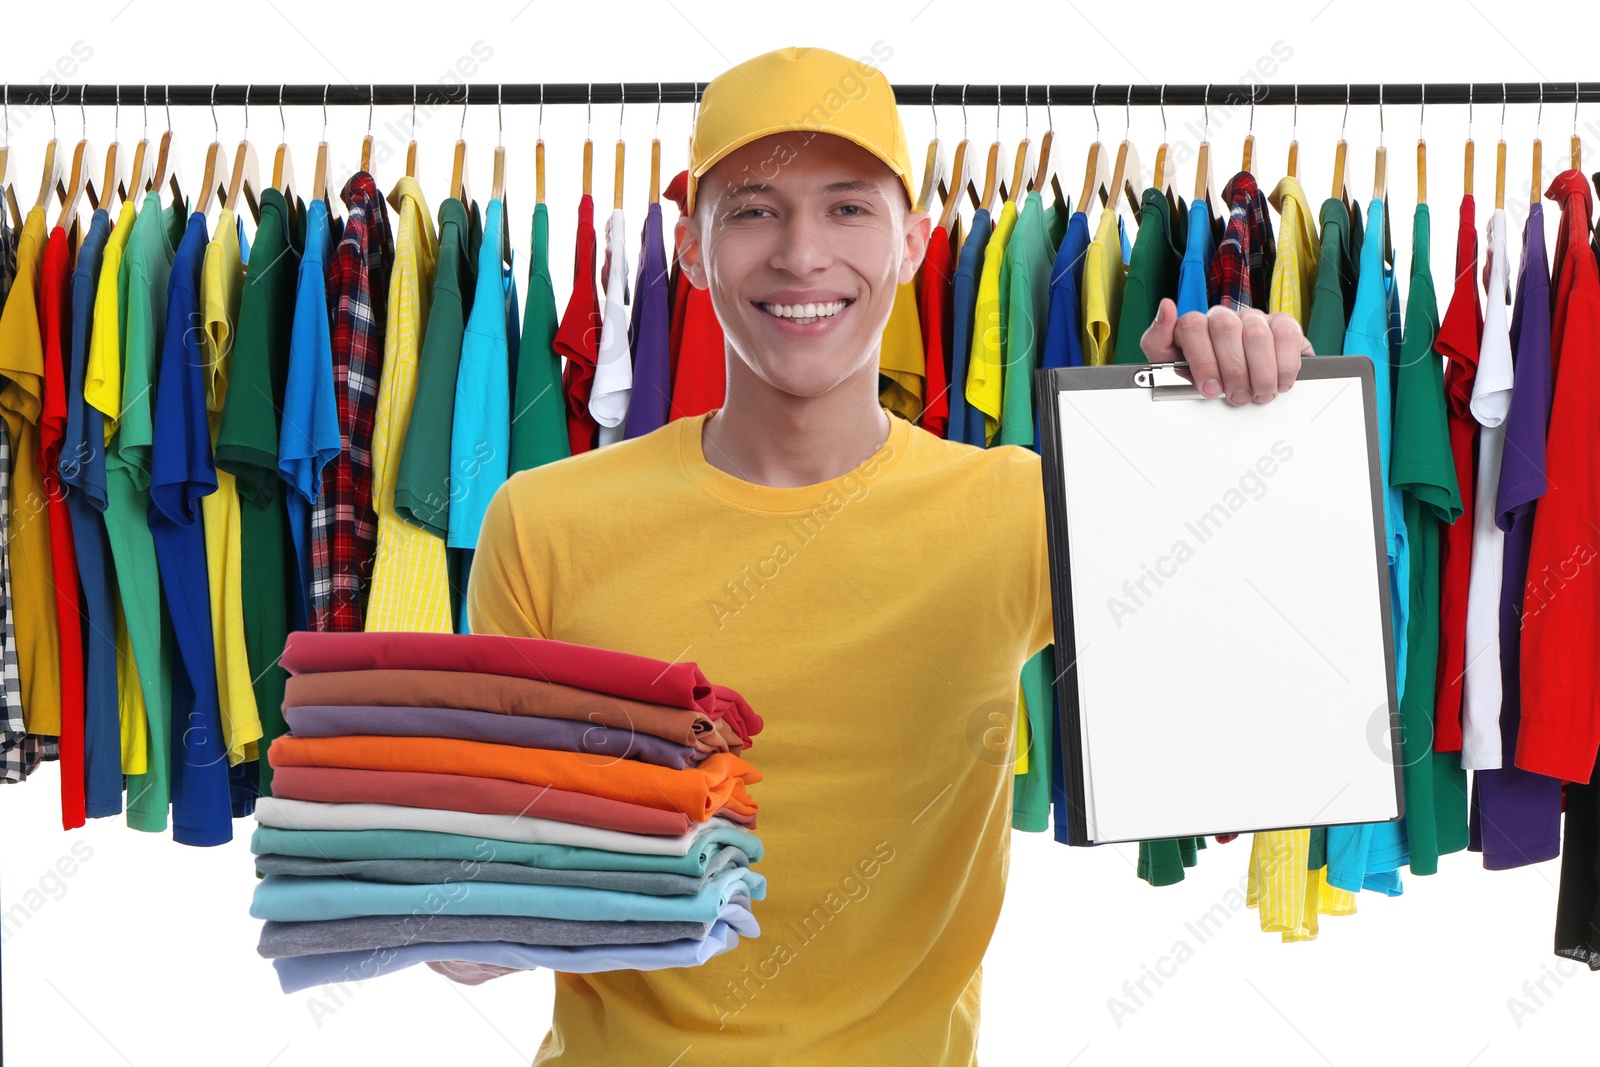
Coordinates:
(588, 143)
(168, 165)
(1380, 178)
(655, 152)
(1577, 145)
(991, 174)
(1538, 148)
(1422, 153)
(50, 179)
(1467, 156)
(616, 181)
(246, 177)
(111, 186)
(366, 141)
(1341, 172)
(282, 162)
(1047, 171)
(960, 174)
(1126, 174)
(8, 168)
(411, 147)
(139, 173)
(1248, 163)
(1500, 156)
(933, 179)
(538, 154)
(211, 176)
(77, 181)
(497, 184)
(319, 171)
(1293, 167)
(1020, 179)
(1163, 175)
(460, 188)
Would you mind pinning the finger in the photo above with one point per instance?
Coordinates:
(1194, 341)
(1290, 346)
(1156, 342)
(1227, 342)
(1260, 354)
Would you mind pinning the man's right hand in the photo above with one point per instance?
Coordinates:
(469, 973)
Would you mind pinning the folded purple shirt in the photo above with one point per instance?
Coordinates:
(565, 735)
(300, 972)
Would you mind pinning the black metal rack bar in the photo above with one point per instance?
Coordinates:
(521, 93)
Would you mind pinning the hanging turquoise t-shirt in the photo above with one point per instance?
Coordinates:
(1200, 244)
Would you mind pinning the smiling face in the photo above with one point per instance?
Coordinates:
(803, 243)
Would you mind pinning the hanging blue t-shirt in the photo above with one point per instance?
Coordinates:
(308, 439)
(1062, 345)
(1369, 855)
(83, 468)
(181, 473)
(964, 304)
(1196, 262)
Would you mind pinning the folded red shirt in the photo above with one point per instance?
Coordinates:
(599, 670)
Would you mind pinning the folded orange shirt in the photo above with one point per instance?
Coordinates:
(699, 791)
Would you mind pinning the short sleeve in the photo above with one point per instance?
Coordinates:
(1043, 633)
(500, 595)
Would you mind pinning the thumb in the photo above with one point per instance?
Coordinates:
(1157, 343)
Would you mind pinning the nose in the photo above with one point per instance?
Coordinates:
(803, 244)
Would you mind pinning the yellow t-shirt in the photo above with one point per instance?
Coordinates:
(1103, 278)
(102, 389)
(410, 587)
(986, 364)
(28, 525)
(221, 278)
(885, 818)
(1294, 272)
(901, 358)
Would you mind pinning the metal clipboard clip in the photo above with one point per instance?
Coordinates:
(1165, 383)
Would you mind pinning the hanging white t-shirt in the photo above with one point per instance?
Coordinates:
(613, 368)
(1491, 399)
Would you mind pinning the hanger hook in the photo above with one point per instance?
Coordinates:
(1127, 113)
(1025, 89)
(1380, 114)
(539, 135)
(1252, 130)
(324, 111)
(1577, 93)
(166, 103)
(1205, 130)
(1049, 115)
(246, 136)
(1422, 110)
(372, 98)
(1163, 105)
(659, 94)
(283, 125)
(146, 105)
(499, 115)
(588, 113)
(116, 116)
(622, 90)
(997, 112)
(1502, 111)
(83, 118)
(1469, 112)
(1094, 100)
(413, 109)
(1294, 127)
(963, 111)
(1346, 118)
(1538, 116)
(216, 131)
(50, 98)
(461, 133)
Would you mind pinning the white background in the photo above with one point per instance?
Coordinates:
(145, 954)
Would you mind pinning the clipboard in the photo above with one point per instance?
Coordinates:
(1222, 603)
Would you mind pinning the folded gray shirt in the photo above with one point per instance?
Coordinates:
(279, 939)
(431, 871)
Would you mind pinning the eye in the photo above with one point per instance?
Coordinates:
(746, 212)
(856, 208)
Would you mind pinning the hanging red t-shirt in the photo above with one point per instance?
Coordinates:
(578, 336)
(1559, 733)
(1459, 336)
(699, 361)
(933, 301)
(54, 310)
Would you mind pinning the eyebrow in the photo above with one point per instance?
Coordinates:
(849, 185)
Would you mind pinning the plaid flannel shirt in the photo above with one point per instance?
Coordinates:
(1241, 268)
(344, 526)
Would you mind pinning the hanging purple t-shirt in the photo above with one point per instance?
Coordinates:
(649, 335)
(1516, 814)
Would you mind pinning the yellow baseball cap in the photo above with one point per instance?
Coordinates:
(809, 90)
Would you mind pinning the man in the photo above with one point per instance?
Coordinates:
(871, 589)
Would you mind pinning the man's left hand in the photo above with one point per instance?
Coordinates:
(1246, 355)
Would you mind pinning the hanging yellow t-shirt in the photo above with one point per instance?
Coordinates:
(1294, 273)
(986, 364)
(410, 586)
(1103, 277)
(221, 278)
(102, 389)
(901, 358)
(28, 527)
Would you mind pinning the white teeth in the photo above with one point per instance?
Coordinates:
(806, 312)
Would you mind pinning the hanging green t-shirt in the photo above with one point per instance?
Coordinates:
(247, 447)
(1337, 270)
(422, 488)
(1422, 468)
(538, 412)
(1152, 272)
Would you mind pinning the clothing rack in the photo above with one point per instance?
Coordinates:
(389, 93)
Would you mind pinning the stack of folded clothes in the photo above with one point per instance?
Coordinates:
(499, 800)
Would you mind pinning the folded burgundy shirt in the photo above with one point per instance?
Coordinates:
(599, 670)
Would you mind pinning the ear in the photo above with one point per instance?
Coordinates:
(686, 235)
(919, 230)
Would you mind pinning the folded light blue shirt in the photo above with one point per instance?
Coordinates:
(287, 898)
(300, 972)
